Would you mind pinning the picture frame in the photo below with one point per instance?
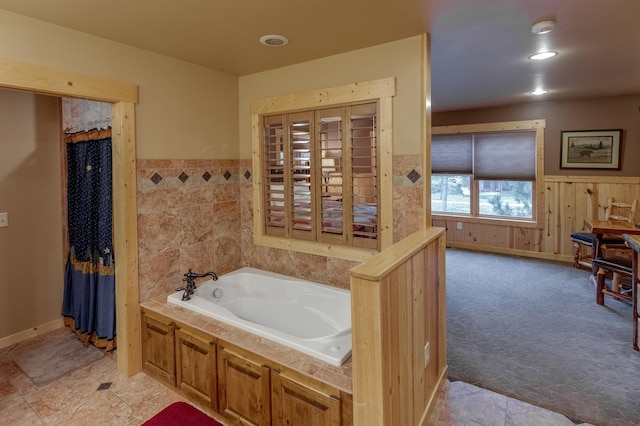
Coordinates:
(590, 149)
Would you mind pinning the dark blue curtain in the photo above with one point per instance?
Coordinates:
(89, 304)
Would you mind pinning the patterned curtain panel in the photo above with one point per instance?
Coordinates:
(89, 290)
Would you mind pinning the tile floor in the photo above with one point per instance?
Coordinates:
(469, 405)
(75, 399)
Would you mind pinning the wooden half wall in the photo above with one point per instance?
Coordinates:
(398, 321)
(568, 201)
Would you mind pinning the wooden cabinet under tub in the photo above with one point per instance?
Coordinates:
(158, 354)
(243, 388)
(295, 402)
(196, 373)
(234, 383)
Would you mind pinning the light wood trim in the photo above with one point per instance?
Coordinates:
(321, 249)
(32, 332)
(628, 180)
(487, 220)
(34, 78)
(537, 209)
(511, 252)
(382, 263)
(425, 128)
(43, 80)
(382, 90)
(490, 127)
(385, 174)
(126, 237)
(350, 93)
(398, 306)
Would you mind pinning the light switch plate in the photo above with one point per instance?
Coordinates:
(4, 220)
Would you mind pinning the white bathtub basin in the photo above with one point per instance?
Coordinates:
(310, 317)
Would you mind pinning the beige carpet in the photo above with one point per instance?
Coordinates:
(56, 358)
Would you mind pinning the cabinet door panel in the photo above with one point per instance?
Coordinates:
(196, 368)
(158, 356)
(243, 388)
(294, 403)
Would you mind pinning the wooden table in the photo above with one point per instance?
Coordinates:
(610, 227)
(633, 241)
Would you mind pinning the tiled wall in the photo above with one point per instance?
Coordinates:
(199, 214)
(188, 217)
(407, 196)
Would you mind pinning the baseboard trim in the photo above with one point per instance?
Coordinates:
(512, 252)
(432, 405)
(32, 332)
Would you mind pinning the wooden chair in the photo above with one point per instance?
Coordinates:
(585, 239)
(616, 262)
(620, 211)
(613, 211)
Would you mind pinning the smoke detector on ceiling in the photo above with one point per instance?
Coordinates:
(543, 27)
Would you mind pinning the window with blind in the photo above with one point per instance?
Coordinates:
(489, 171)
(321, 175)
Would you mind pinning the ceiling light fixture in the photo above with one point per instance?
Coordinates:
(274, 40)
(542, 56)
(543, 27)
(539, 92)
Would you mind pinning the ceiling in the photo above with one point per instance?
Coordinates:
(479, 47)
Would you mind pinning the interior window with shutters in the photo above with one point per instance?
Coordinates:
(321, 175)
(487, 173)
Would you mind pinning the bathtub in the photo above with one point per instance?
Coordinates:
(310, 317)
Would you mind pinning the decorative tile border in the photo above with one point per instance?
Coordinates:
(153, 174)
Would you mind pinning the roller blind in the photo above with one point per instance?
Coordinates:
(452, 154)
(492, 155)
(505, 155)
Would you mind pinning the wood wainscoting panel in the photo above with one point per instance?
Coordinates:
(568, 201)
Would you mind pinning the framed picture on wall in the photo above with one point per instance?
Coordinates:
(591, 149)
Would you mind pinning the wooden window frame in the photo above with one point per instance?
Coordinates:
(537, 207)
(381, 91)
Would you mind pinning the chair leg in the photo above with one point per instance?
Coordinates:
(577, 255)
(600, 286)
(615, 282)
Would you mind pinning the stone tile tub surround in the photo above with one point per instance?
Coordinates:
(199, 214)
(188, 214)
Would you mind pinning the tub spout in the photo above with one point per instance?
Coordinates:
(190, 279)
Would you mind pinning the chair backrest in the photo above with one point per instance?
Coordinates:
(620, 211)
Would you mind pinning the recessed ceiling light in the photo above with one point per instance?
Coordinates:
(543, 55)
(539, 92)
(543, 27)
(274, 40)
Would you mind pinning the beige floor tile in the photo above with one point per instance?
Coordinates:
(96, 408)
(15, 411)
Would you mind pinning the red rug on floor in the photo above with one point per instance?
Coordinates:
(181, 414)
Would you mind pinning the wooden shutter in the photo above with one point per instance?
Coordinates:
(331, 165)
(301, 202)
(274, 157)
(321, 175)
(364, 176)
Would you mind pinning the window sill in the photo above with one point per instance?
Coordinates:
(320, 249)
(515, 223)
